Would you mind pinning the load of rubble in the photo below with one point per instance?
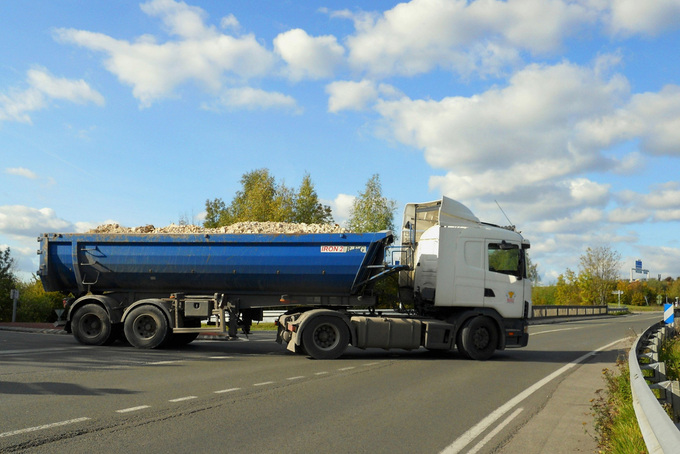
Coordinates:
(239, 227)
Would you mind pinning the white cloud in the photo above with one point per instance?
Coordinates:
(349, 95)
(627, 17)
(77, 91)
(484, 36)
(308, 57)
(200, 53)
(341, 207)
(43, 88)
(26, 221)
(22, 172)
(252, 98)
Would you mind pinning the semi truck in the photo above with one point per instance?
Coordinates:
(462, 284)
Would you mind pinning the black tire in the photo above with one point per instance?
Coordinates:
(325, 337)
(478, 338)
(91, 325)
(146, 327)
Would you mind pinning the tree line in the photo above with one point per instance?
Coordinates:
(596, 280)
(35, 305)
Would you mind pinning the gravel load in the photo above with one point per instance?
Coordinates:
(239, 227)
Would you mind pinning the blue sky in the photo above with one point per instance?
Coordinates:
(566, 112)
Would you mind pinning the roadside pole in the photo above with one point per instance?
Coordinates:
(14, 294)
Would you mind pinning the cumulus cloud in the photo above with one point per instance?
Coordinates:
(22, 172)
(481, 36)
(43, 87)
(199, 53)
(341, 207)
(308, 57)
(350, 95)
(628, 17)
(27, 221)
(253, 99)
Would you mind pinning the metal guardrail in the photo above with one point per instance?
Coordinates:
(538, 311)
(660, 432)
(571, 311)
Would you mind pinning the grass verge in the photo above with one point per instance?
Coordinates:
(615, 422)
(670, 354)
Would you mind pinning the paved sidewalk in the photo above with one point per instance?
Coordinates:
(565, 424)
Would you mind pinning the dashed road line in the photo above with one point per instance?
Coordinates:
(347, 368)
(295, 378)
(320, 373)
(182, 399)
(222, 391)
(45, 426)
(263, 383)
(128, 410)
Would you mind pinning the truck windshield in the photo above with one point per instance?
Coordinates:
(507, 260)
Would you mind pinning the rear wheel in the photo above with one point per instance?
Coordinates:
(146, 327)
(91, 325)
(325, 337)
(478, 338)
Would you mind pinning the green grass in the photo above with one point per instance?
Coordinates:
(670, 354)
(653, 308)
(615, 422)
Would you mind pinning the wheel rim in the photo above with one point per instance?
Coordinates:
(90, 325)
(145, 326)
(326, 336)
(480, 338)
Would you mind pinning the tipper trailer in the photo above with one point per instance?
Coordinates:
(464, 283)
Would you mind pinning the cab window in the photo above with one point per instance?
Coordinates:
(506, 258)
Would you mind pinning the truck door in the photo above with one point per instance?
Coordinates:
(503, 279)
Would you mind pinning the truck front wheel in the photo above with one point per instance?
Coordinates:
(146, 327)
(325, 337)
(91, 325)
(478, 338)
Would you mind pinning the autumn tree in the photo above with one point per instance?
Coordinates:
(308, 209)
(371, 211)
(8, 282)
(600, 269)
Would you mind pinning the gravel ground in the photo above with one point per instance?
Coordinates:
(240, 227)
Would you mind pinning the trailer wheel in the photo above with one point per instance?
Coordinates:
(478, 338)
(91, 325)
(146, 327)
(325, 337)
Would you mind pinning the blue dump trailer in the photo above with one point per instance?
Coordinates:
(156, 289)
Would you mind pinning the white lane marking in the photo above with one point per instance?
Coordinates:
(181, 399)
(555, 330)
(321, 373)
(484, 424)
(159, 363)
(346, 368)
(263, 383)
(371, 364)
(220, 357)
(127, 410)
(45, 426)
(494, 432)
(222, 391)
(295, 378)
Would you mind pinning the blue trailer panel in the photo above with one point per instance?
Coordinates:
(259, 264)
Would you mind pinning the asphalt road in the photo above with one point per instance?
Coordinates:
(251, 395)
